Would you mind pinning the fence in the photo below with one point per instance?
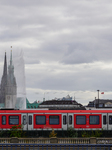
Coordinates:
(55, 147)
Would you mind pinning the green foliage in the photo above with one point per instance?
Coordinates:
(1, 132)
(52, 134)
(16, 131)
(98, 133)
(71, 132)
(95, 133)
(85, 134)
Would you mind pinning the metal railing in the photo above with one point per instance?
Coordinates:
(55, 146)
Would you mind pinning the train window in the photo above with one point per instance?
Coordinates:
(70, 119)
(13, 120)
(80, 119)
(30, 120)
(110, 119)
(104, 119)
(93, 119)
(40, 120)
(3, 120)
(53, 119)
(24, 119)
(64, 119)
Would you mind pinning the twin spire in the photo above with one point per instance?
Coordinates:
(5, 63)
(5, 66)
(8, 87)
(11, 58)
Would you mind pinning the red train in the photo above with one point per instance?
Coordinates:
(57, 119)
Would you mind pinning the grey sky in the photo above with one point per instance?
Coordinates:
(66, 45)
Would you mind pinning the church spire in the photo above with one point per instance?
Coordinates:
(3, 81)
(11, 57)
(5, 66)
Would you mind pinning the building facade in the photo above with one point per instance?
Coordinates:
(100, 104)
(34, 105)
(61, 105)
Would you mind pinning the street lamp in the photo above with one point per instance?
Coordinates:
(98, 97)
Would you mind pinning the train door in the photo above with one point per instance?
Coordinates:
(105, 121)
(64, 121)
(24, 121)
(109, 116)
(30, 121)
(70, 120)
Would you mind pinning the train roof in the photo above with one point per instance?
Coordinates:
(55, 111)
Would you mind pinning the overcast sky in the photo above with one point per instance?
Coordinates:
(67, 46)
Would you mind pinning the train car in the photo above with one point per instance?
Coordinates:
(56, 119)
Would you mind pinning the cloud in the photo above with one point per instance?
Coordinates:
(66, 44)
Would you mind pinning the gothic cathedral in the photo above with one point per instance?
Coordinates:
(8, 87)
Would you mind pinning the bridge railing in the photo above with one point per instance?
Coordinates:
(91, 140)
(73, 140)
